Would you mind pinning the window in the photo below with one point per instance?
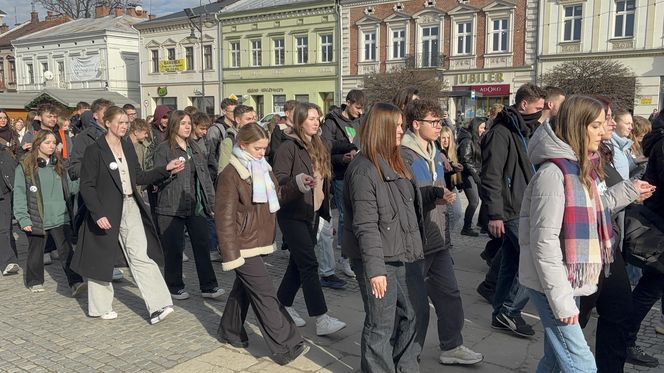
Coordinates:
(279, 52)
(171, 54)
(256, 53)
(624, 26)
(2, 72)
(500, 35)
(171, 102)
(572, 23)
(235, 54)
(326, 47)
(302, 47)
(30, 72)
(398, 44)
(430, 48)
(370, 46)
(302, 98)
(189, 55)
(154, 53)
(12, 70)
(44, 67)
(61, 71)
(278, 102)
(464, 38)
(207, 57)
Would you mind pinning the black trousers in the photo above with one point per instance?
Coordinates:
(470, 188)
(613, 301)
(60, 237)
(8, 253)
(302, 270)
(171, 230)
(646, 293)
(253, 286)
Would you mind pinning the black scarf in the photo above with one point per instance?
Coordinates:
(6, 133)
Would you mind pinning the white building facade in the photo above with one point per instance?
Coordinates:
(85, 54)
(629, 31)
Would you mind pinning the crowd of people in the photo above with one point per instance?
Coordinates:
(558, 181)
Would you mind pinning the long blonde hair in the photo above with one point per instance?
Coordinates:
(451, 152)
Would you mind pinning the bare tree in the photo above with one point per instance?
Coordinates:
(381, 87)
(81, 8)
(604, 77)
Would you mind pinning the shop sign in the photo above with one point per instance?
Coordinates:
(171, 66)
(265, 90)
(492, 89)
(645, 100)
(471, 78)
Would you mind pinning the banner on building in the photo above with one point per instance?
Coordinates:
(171, 66)
(83, 68)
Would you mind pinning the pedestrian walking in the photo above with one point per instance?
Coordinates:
(43, 207)
(9, 145)
(470, 156)
(185, 201)
(303, 152)
(447, 147)
(248, 189)
(565, 247)
(382, 233)
(117, 222)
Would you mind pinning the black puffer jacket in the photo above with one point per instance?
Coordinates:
(653, 148)
(338, 133)
(470, 155)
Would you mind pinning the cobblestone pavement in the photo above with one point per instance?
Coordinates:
(50, 331)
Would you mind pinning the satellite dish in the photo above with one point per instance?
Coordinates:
(48, 75)
(139, 10)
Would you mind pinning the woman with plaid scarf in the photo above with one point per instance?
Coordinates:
(565, 228)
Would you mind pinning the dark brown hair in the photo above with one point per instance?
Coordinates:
(320, 156)
(174, 126)
(378, 139)
(30, 161)
(418, 109)
(139, 125)
(251, 132)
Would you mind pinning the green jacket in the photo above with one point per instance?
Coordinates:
(43, 199)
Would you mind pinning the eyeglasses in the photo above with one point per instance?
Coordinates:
(432, 122)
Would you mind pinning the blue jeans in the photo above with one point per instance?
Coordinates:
(324, 248)
(213, 241)
(509, 268)
(338, 186)
(455, 212)
(565, 346)
(388, 337)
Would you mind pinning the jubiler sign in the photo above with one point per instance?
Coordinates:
(473, 78)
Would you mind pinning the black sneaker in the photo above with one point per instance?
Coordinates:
(333, 282)
(495, 324)
(636, 356)
(516, 324)
(469, 232)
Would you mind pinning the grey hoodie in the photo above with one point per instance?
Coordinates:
(541, 263)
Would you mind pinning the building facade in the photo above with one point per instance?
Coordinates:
(630, 31)
(483, 49)
(179, 67)
(99, 54)
(279, 50)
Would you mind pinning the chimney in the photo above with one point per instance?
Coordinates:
(102, 10)
(119, 11)
(34, 17)
(4, 28)
(131, 11)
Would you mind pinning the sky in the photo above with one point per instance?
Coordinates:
(158, 7)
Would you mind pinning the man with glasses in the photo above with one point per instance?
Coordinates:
(420, 154)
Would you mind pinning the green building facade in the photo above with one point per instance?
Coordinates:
(286, 51)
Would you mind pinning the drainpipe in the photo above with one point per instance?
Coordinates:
(339, 93)
(220, 56)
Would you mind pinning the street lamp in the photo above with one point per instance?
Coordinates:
(202, 105)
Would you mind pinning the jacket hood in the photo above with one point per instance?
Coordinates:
(87, 119)
(545, 145)
(159, 112)
(654, 136)
(463, 134)
(409, 141)
(289, 134)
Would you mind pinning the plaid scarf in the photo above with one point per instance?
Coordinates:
(263, 187)
(586, 230)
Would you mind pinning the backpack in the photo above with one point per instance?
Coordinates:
(643, 244)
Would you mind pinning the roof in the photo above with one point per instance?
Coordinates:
(16, 100)
(249, 5)
(181, 15)
(2, 13)
(70, 97)
(122, 24)
(29, 27)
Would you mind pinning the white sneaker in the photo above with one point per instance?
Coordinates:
(185, 258)
(215, 256)
(297, 319)
(214, 293)
(37, 288)
(460, 355)
(47, 259)
(344, 267)
(11, 269)
(109, 315)
(157, 316)
(326, 324)
(117, 274)
(659, 326)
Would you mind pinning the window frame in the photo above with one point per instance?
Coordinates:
(279, 51)
(327, 48)
(189, 58)
(208, 61)
(256, 52)
(402, 40)
(367, 50)
(501, 33)
(235, 57)
(575, 21)
(154, 59)
(30, 71)
(301, 50)
(625, 14)
(431, 62)
(170, 52)
(464, 40)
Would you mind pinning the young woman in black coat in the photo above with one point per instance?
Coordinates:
(117, 222)
(8, 163)
(470, 156)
